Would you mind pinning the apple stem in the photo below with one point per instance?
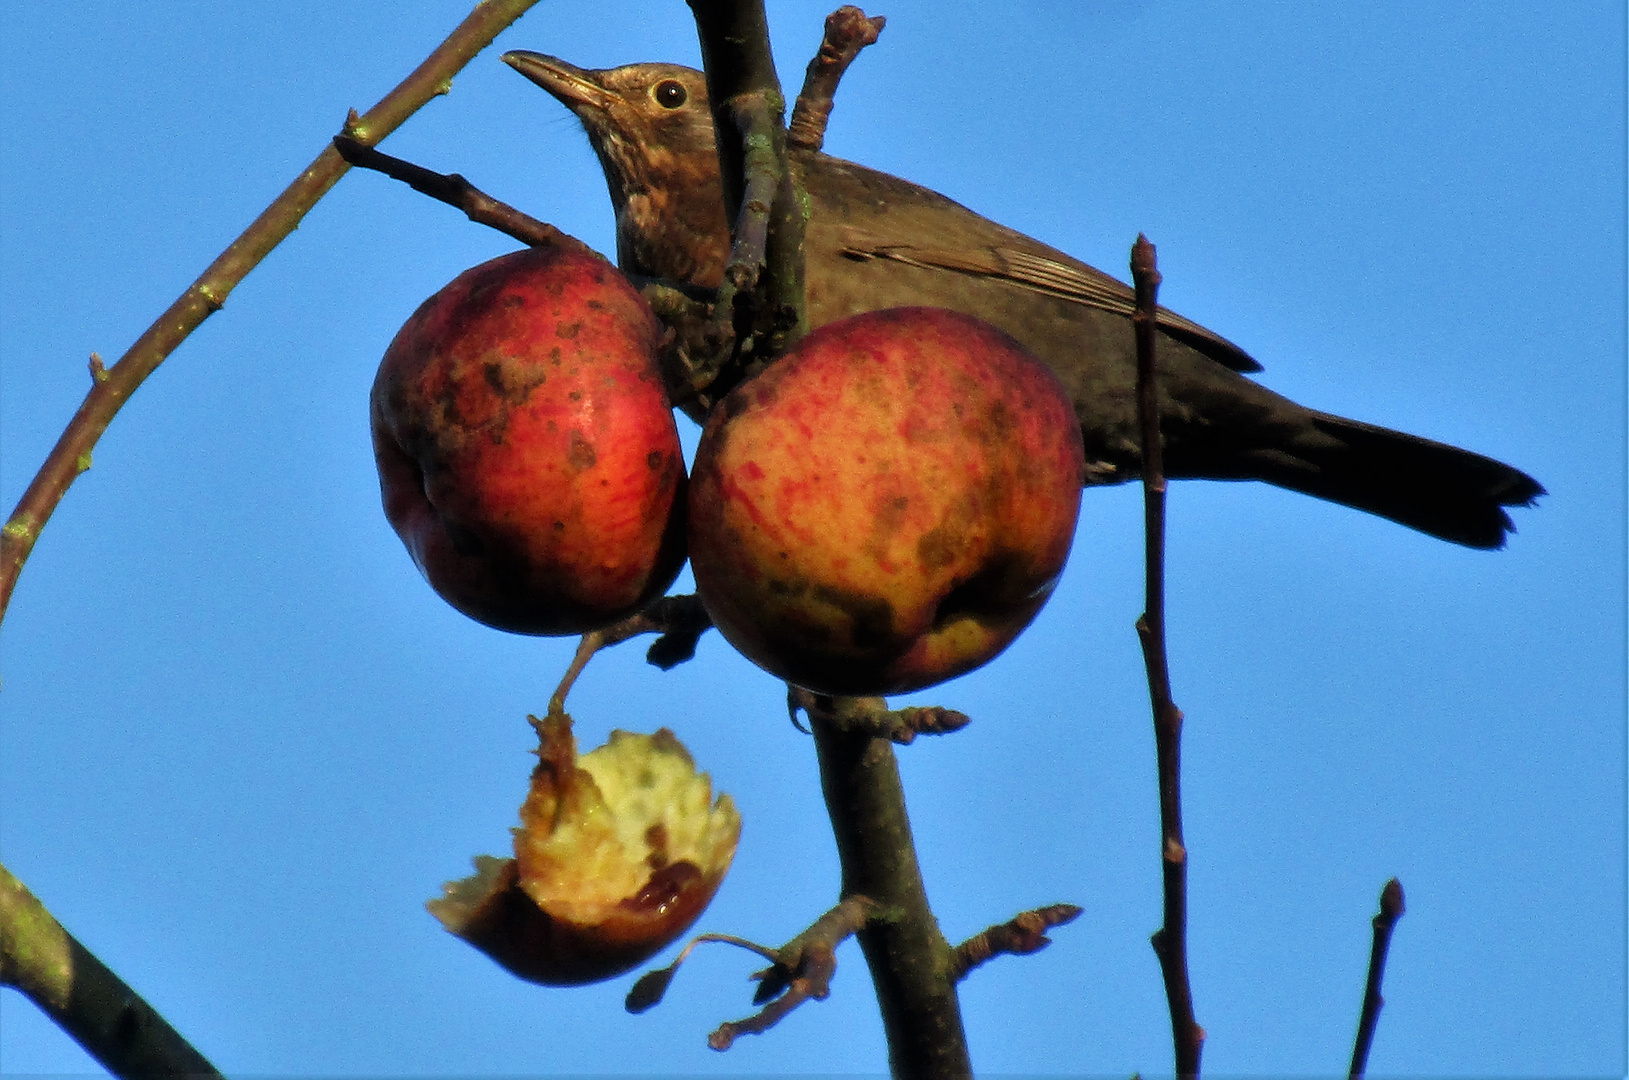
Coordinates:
(590, 644)
(1170, 941)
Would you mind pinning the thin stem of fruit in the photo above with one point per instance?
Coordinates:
(590, 644)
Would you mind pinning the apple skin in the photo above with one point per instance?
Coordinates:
(527, 452)
(618, 852)
(887, 505)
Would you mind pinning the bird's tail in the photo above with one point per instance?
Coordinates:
(1438, 489)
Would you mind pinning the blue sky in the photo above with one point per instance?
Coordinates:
(241, 742)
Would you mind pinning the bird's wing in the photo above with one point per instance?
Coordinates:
(1071, 280)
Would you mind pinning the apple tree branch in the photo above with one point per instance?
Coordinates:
(111, 387)
(1171, 939)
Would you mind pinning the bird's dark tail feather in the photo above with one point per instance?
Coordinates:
(1438, 489)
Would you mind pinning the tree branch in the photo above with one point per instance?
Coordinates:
(761, 196)
(85, 999)
(1021, 935)
(1171, 939)
(910, 960)
(455, 191)
(874, 717)
(113, 387)
(847, 32)
(1391, 909)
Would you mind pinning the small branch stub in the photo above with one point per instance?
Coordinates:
(872, 716)
(1021, 935)
(455, 191)
(848, 30)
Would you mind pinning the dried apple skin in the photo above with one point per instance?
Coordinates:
(575, 906)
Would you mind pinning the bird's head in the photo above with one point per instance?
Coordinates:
(649, 123)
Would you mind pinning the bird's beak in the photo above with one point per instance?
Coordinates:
(573, 86)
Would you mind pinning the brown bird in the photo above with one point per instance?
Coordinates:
(875, 241)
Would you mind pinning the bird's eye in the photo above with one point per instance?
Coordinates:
(669, 94)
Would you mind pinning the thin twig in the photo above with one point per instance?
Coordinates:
(847, 32)
(873, 716)
(694, 341)
(204, 297)
(802, 970)
(1021, 935)
(455, 191)
(77, 991)
(1391, 909)
(1171, 939)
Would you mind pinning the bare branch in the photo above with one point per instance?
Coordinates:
(85, 999)
(455, 191)
(1391, 909)
(206, 295)
(1171, 939)
(910, 960)
(872, 716)
(761, 195)
(1021, 935)
(847, 32)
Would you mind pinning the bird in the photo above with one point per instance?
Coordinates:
(876, 241)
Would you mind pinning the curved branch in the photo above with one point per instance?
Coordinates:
(111, 388)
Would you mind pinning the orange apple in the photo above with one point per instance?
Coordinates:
(887, 505)
(527, 452)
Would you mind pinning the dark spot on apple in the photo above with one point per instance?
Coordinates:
(939, 547)
(581, 455)
(513, 301)
(465, 541)
(666, 885)
(568, 330)
(594, 305)
(872, 617)
(999, 423)
(736, 404)
(653, 460)
(494, 377)
(995, 590)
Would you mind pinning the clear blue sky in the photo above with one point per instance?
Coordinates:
(241, 742)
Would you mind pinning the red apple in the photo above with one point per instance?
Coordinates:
(888, 504)
(527, 452)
